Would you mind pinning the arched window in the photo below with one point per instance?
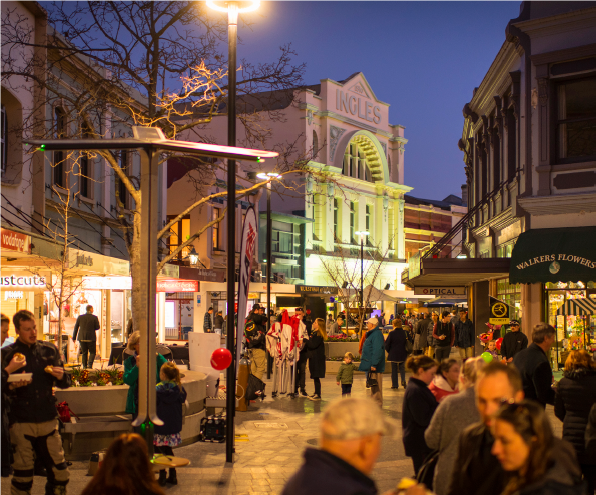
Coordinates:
(4, 138)
(315, 144)
(355, 163)
(59, 156)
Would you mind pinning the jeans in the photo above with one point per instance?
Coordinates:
(402, 371)
(301, 377)
(317, 386)
(442, 352)
(346, 390)
(88, 347)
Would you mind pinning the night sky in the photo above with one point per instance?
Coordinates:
(423, 58)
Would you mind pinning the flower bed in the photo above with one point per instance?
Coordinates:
(97, 378)
(356, 359)
(342, 338)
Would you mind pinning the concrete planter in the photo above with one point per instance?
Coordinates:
(339, 349)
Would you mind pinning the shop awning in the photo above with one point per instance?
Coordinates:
(554, 255)
(578, 307)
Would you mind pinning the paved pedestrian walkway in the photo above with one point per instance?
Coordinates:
(274, 434)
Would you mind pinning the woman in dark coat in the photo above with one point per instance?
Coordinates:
(418, 408)
(395, 345)
(574, 396)
(316, 355)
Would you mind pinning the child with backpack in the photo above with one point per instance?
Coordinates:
(170, 395)
(345, 375)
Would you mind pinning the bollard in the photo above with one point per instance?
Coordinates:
(242, 383)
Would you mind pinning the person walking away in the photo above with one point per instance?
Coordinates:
(373, 357)
(538, 463)
(575, 395)
(131, 373)
(444, 335)
(395, 345)
(446, 380)
(513, 342)
(453, 415)
(477, 471)
(423, 327)
(33, 415)
(316, 356)
(345, 374)
(418, 408)
(465, 337)
(170, 395)
(125, 470)
(416, 331)
(534, 365)
(218, 322)
(86, 326)
(350, 443)
(13, 366)
(207, 325)
(430, 340)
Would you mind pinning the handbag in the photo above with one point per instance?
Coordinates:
(409, 346)
(427, 470)
(370, 381)
(65, 412)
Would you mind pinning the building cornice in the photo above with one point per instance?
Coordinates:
(567, 22)
(558, 204)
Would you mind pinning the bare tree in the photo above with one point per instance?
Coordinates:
(343, 267)
(112, 65)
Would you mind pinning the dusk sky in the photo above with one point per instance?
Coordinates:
(423, 58)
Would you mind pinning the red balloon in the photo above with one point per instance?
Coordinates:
(221, 359)
(498, 343)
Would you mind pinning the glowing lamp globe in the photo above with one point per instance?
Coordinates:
(221, 359)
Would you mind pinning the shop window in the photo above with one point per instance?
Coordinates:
(336, 219)
(59, 156)
(122, 194)
(369, 224)
(352, 221)
(3, 138)
(216, 231)
(180, 233)
(511, 295)
(576, 120)
(315, 145)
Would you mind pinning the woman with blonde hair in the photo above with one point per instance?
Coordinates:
(316, 355)
(574, 396)
(454, 414)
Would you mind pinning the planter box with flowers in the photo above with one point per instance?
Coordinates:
(338, 345)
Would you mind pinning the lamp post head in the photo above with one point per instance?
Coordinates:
(362, 234)
(193, 257)
(233, 8)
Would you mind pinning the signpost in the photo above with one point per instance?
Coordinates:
(499, 312)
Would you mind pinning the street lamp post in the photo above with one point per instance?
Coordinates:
(269, 177)
(362, 235)
(232, 9)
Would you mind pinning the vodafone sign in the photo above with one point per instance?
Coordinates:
(177, 286)
(15, 241)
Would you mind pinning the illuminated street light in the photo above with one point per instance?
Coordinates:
(362, 234)
(232, 8)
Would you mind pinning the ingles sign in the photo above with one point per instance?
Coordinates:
(15, 241)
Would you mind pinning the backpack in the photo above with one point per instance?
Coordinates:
(254, 388)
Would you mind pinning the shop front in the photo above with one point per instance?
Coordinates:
(561, 263)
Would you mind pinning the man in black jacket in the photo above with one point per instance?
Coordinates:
(85, 327)
(534, 366)
(513, 342)
(477, 470)
(444, 334)
(34, 427)
(465, 337)
(351, 432)
(254, 331)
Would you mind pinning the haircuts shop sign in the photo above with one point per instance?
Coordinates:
(15, 241)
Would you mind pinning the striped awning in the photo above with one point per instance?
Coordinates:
(578, 307)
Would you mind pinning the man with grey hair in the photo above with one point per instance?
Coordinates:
(350, 444)
(534, 366)
(373, 358)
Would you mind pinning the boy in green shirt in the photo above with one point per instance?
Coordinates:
(345, 375)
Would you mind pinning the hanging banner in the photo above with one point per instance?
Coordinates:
(247, 250)
(499, 312)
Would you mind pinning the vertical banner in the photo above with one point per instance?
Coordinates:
(247, 249)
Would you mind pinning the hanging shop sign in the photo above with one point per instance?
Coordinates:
(177, 286)
(439, 291)
(499, 312)
(30, 281)
(201, 274)
(15, 241)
